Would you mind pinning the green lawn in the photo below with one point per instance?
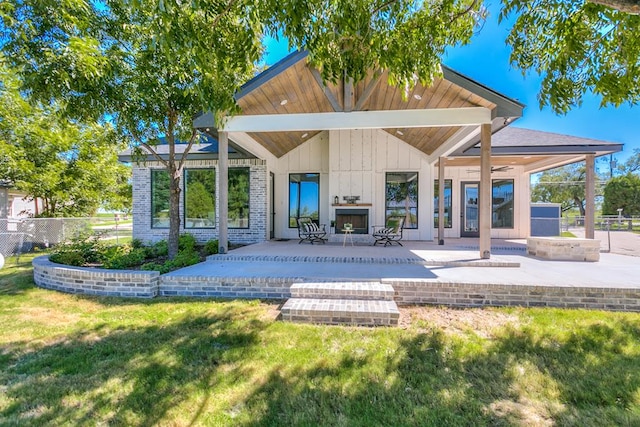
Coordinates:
(73, 360)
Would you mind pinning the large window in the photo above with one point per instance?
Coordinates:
(238, 198)
(447, 203)
(402, 197)
(159, 198)
(200, 198)
(304, 196)
(502, 203)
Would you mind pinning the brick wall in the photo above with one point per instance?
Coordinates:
(94, 281)
(477, 295)
(257, 231)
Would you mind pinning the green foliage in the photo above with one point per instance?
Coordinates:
(187, 242)
(211, 247)
(564, 185)
(632, 165)
(159, 249)
(351, 38)
(622, 192)
(128, 258)
(577, 47)
(68, 258)
(70, 165)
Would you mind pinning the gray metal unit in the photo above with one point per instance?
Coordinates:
(545, 219)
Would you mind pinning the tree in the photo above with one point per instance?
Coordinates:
(71, 167)
(632, 165)
(622, 192)
(148, 67)
(564, 185)
(151, 66)
(578, 47)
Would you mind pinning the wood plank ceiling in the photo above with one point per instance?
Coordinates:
(296, 90)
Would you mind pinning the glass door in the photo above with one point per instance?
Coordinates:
(470, 225)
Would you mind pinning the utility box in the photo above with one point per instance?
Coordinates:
(545, 219)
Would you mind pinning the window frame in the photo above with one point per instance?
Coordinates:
(406, 226)
(291, 174)
(184, 198)
(448, 181)
(153, 172)
(248, 169)
(513, 197)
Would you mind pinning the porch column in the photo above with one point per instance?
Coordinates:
(590, 196)
(223, 191)
(484, 208)
(441, 201)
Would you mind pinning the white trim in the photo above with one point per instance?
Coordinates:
(437, 117)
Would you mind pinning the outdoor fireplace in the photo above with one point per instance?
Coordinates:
(358, 218)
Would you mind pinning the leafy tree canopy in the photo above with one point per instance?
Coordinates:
(150, 66)
(71, 166)
(578, 46)
(622, 192)
(564, 185)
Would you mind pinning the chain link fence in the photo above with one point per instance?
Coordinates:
(604, 222)
(19, 236)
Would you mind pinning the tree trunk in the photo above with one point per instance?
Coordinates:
(174, 210)
(580, 204)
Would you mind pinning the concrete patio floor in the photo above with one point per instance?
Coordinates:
(455, 262)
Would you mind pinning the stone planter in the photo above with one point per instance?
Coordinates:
(564, 248)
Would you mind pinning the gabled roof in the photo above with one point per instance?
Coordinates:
(292, 86)
(207, 149)
(533, 149)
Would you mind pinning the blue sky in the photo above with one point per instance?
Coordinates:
(486, 60)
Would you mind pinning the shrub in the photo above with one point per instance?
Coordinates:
(186, 242)
(137, 243)
(160, 248)
(211, 247)
(125, 260)
(68, 258)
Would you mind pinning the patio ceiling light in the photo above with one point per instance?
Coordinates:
(304, 135)
(418, 97)
(399, 132)
(284, 102)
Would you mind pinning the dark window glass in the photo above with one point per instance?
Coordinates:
(159, 198)
(447, 203)
(402, 197)
(200, 198)
(304, 196)
(502, 203)
(238, 198)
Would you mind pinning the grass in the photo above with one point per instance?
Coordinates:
(74, 360)
(567, 234)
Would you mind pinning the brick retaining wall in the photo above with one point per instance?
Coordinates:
(479, 295)
(94, 281)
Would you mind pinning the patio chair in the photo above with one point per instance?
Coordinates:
(390, 233)
(309, 231)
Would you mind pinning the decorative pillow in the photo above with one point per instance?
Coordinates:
(313, 226)
(307, 226)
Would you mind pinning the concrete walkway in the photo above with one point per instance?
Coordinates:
(615, 242)
(456, 262)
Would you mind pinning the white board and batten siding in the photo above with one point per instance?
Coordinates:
(354, 163)
(521, 217)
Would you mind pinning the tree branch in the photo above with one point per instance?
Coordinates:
(464, 12)
(224, 12)
(632, 7)
(153, 152)
(186, 151)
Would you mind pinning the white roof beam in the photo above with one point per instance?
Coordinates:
(471, 116)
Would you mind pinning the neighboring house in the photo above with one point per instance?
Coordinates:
(300, 147)
(15, 204)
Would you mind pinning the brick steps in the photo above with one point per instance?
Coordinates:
(342, 303)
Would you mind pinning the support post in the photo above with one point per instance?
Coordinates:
(590, 197)
(223, 191)
(441, 201)
(484, 214)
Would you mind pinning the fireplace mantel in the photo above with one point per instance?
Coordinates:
(351, 204)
